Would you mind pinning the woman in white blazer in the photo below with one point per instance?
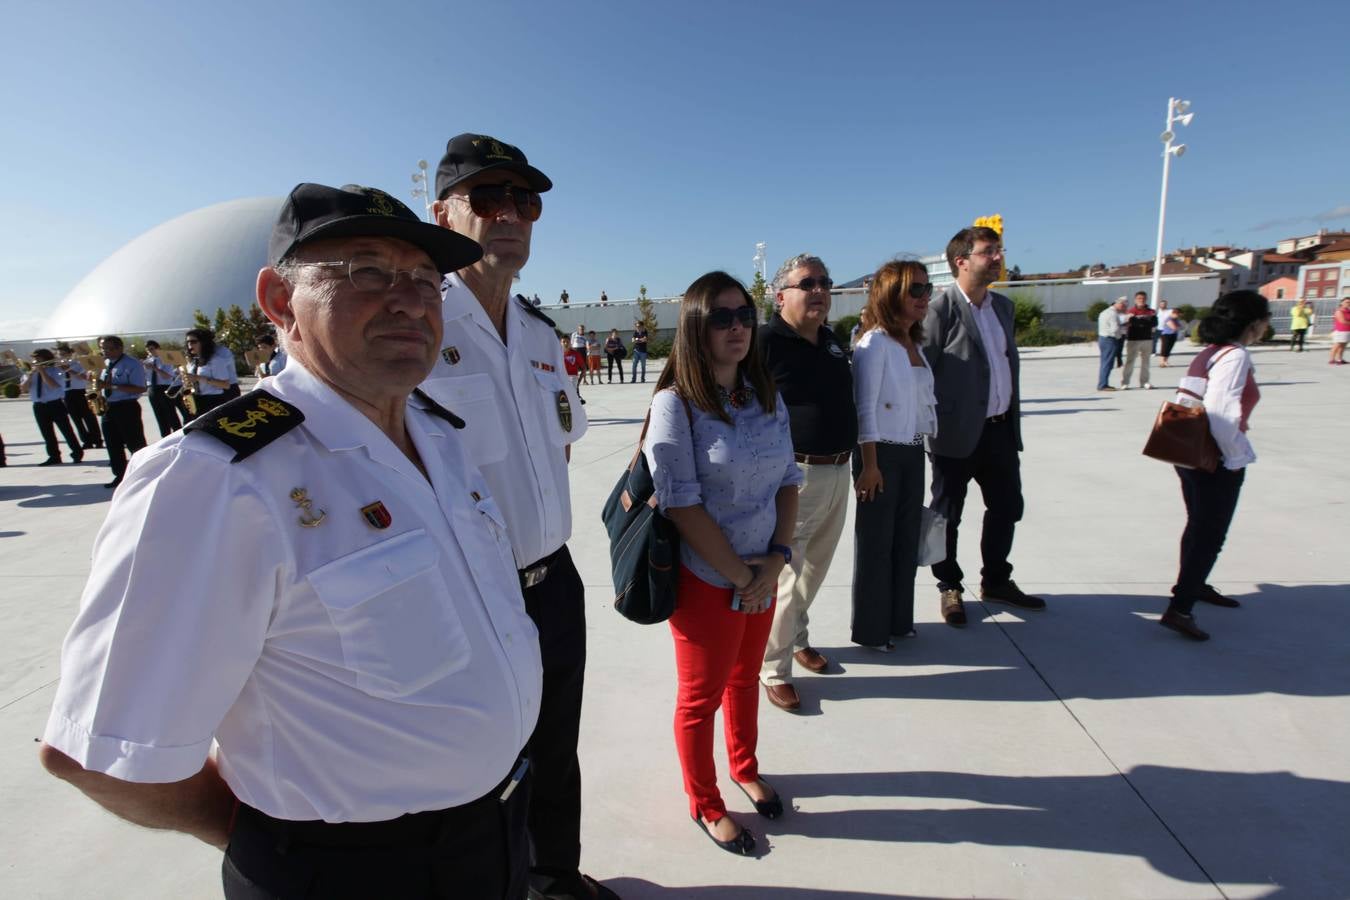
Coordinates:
(893, 389)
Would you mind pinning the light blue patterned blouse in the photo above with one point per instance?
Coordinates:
(733, 470)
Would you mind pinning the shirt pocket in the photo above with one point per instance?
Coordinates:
(550, 413)
(474, 399)
(391, 609)
(496, 526)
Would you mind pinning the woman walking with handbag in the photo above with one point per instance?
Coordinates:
(720, 454)
(893, 390)
(1221, 374)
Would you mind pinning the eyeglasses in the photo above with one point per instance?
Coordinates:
(919, 291)
(190, 341)
(371, 274)
(990, 253)
(810, 284)
(488, 200)
(721, 319)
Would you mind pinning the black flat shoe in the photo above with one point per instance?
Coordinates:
(1183, 624)
(51, 461)
(769, 809)
(1209, 595)
(743, 843)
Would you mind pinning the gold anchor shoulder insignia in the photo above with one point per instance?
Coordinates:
(307, 517)
(249, 423)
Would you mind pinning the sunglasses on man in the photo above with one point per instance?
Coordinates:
(488, 200)
(810, 284)
(721, 319)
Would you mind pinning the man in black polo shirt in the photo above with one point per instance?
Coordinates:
(811, 369)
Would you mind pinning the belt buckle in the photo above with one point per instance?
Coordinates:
(533, 575)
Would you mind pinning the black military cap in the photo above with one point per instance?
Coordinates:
(314, 211)
(468, 154)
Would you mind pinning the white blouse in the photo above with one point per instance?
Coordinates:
(895, 399)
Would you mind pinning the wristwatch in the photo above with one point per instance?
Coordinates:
(785, 551)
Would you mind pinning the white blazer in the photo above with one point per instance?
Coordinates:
(895, 401)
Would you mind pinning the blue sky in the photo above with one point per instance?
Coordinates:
(678, 135)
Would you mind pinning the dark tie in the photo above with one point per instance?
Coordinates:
(154, 374)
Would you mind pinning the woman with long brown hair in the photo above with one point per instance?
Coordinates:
(721, 458)
(893, 390)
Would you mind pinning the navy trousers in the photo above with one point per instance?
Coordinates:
(1211, 500)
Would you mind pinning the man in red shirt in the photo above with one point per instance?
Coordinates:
(573, 361)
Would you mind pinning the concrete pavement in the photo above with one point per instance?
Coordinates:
(1080, 752)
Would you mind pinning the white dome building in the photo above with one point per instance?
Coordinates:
(207, 260)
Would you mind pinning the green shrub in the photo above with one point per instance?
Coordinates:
(1026, 313)
(659, 349)
(1187, 312)
(1095, 310)
(1040, 335)
(844, 327)
(11, 390)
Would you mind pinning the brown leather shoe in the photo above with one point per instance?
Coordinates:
(1184, 624)
(953, 608)
(811, 659)
(783, 696)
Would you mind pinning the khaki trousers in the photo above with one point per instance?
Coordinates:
(1136, 351)
(822, 505)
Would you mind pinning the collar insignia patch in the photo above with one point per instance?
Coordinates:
(377, 515)
(451, 355)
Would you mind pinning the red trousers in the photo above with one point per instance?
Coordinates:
(718, 655)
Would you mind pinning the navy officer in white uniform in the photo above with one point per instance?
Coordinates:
(343, 699)
(501, 369)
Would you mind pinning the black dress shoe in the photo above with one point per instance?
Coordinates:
(1184, 624)
(743, 843)
(1211, 596)
(112, 484)
(575, 886)
(77, 458)
(769, 809)
(51, 461)
(1011, 594)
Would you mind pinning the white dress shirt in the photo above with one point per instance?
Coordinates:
(76, 378)
(995, 344)
(159, 371)
(219, 367)
(894, 398)
(517, 429)
(348, 672)
(39, 391)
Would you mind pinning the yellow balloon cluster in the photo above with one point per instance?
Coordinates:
(995, 222)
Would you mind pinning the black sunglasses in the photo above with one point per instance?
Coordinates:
(488, 200)
(919, 291)
(720, 319)
(810, 284)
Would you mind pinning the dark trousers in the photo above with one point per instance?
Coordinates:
(1211, 499)
(51, 415)
(123, 433)
(1296, 339)
(1168, 342)
(477, 850)
(996, 468)
(207, 402)
(615, 360)
(886, 546)
(166, 413)
(558, 607)
(1109, 348)
(83, 418)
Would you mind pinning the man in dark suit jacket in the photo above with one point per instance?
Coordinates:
(969, 342)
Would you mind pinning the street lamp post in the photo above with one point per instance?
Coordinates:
(761, 260)
(422, 188)
(1177, 113)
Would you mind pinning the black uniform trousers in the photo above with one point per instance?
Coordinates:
(478, 850)
(886, 546)
(51, 415)
(166, 414)
(996, 467)
(83, 418)
(123, 433)
(558, 607)
(1211, 499)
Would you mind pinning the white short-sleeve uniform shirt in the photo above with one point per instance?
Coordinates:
(376, 663)
(511, 395)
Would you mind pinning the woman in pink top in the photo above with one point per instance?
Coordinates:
(1222, 375)
(1340, 333)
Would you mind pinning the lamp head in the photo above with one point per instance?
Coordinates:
(1186, 119)
(1164, 137)
(1178, 151)
(1179, 107)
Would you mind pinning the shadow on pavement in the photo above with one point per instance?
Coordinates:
(45, 496)
(638, 889)
(1063, 813)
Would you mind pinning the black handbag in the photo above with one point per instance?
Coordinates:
(644, 546)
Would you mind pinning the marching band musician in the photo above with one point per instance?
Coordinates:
(77, 404)
(159, 377)
(47, 391)
(121, 384)
(210, 370)
(275, 362)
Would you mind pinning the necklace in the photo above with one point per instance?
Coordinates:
(738, 398)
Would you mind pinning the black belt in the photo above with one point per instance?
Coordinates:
(410, 828)
(535, 573)
(1001, 417)
(824, 459)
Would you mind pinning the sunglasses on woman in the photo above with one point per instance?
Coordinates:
(919, 291)
(488, 200)
(720, 319)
